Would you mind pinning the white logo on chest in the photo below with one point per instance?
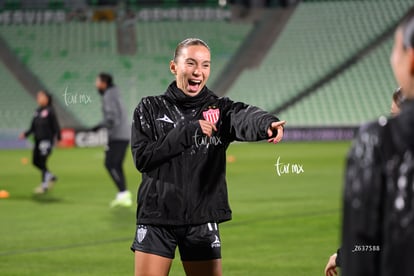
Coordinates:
(165, 119)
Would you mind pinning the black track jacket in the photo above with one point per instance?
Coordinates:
(183, 171)
(44, 125)
(378, 220)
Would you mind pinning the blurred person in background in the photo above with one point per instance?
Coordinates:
(378, 210)
(115, 120)
(45, 129)
(335, 259)
(179, 141)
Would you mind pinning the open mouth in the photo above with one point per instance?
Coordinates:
(194, 85)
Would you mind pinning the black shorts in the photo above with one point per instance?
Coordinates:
(43, 148)
(195, 242)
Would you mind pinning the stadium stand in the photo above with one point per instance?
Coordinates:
(319, 36)
(16, 106)
(359, 94)
(16, 110)
(67, 57)
(41, 4)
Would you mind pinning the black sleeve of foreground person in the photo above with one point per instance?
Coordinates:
(247, 122)
(362, 209)
(338, 257)
(148, 150)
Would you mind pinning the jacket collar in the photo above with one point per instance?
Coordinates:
(178, 97)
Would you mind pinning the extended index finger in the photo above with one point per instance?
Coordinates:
(277, 124)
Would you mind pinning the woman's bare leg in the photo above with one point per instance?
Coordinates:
(203, 268)
(151, 265)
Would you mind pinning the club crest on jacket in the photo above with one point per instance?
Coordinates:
(212, 114)
(141, 233)
(44, 113)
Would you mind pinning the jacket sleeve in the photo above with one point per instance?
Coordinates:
(338, 257)
(362, 220)
(247, 122)
(149, 150)
(55, 125)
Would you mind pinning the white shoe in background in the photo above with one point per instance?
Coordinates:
(123, 199)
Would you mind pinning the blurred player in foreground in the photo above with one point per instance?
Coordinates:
(179, 142)
(116, 121)
(378, 219)
(45, 129)
(335, 260)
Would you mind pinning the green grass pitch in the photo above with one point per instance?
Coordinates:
(282, 225)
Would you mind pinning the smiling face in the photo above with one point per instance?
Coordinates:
(191, 69)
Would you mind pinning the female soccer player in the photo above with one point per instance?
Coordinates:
(179, 141)
(45, 128)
